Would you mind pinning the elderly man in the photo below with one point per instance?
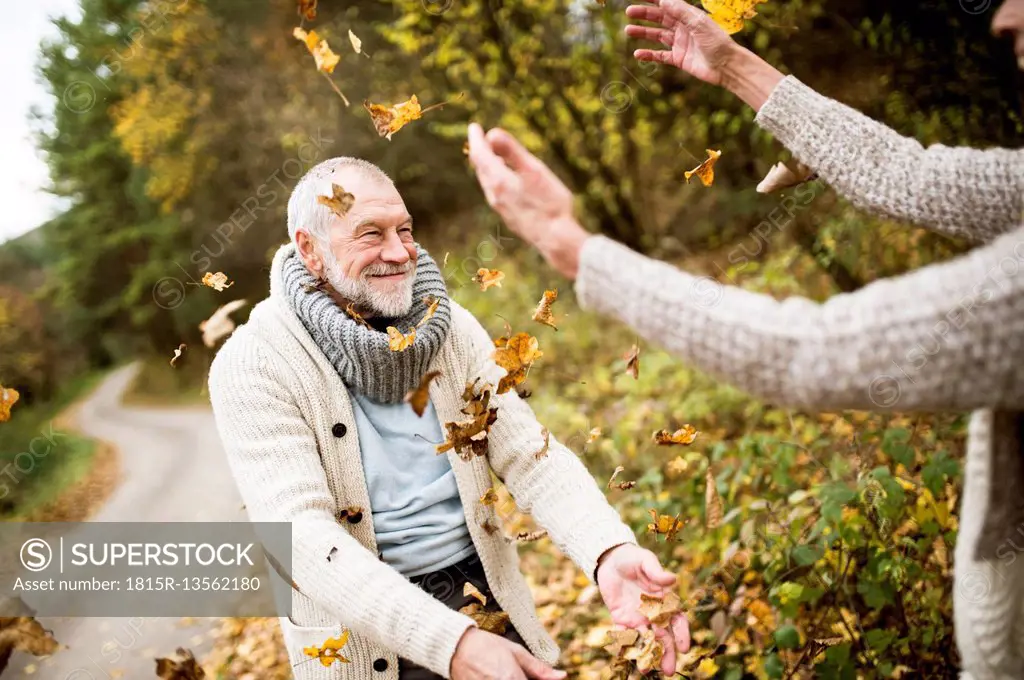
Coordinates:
(309, 403)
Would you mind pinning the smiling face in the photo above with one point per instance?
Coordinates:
(371, 258)
(1009, 22)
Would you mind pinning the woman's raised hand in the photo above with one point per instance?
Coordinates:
(694, 42)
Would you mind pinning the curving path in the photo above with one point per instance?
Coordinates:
(173, 470)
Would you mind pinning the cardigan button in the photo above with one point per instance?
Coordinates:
(339, 430)
(355, 517)
(380, 665)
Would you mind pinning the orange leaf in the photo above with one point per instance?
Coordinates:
(307, 9)
(543, 312)
(516, 355)
(329, 651)
(398, 342)
(418, 397)
(218, 281)
(324, 57)
(340, 201)
(488, 277)
(683, 436)
(706, 170)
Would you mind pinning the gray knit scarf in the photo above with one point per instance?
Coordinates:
(361, 355)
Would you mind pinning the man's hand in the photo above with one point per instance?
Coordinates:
(530, 198)
(481, 655)
(622, 574)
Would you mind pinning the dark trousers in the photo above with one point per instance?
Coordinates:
(446, 585)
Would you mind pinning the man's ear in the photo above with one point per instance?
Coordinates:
(307, 251)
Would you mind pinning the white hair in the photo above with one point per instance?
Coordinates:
(305, 212)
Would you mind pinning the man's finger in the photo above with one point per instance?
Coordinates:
(646, 13)
(662, 35)
(660, 56)
(534, 667)
(668, 659)
(508, 148)
(681, 632)
(683, 12)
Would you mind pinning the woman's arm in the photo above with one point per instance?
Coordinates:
(964, 192)
(945, 337)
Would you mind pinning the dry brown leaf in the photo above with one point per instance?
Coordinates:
(419, 397)
(185, 668)
(620, 485)
(706, 170)
(177, 354)
(784, 176)
(712, 502)
(647, 654)
(489, 497)
(307, 9)
(619, 640)
(660, 610)
(665, 525)
(633, 362)
(543, 452)
(324, 57)
(398, 342)
(515, 354)
(350, 511)
(491, 621)
(8, 398)
(219, 281)
(24, 634)
(729, 14)
(684, 436)
(329, 651)
(220, 325)
(469, 438)
(432, 302)
(340, 201)
(388, 120)
(351, 311)
(471, 590)
(488, 278)
(543, 312)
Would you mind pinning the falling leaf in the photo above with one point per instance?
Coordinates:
(706, 170)
(491, 621)
(469, 438)
(621, 485)
(543, 452)
(470, 590)
(418, 397)
(8, 398)
(307, 9)
(324, 57)
(24, 634)
(329, 651)
(712, 502)
(633, 362)
(684, 436)
(445, 263)
(398, 342)
(218, 281)
(432, 302)
(729, 14)
(782, 176)
(357, 44)
(390, 119)
(177, 354)
(595, 434)
(677, 466)
(660, 610)
(527, 536)
(340, 201)
(220, 325)
(187, 668)
(620, 639)
(666, 525)
(488, 278)
(490, 497)
(543, 312)
(356, 316)
(516, 355)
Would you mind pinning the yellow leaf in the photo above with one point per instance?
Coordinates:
(493, 622)
(706, 170)
(390, 119)
(325, 59)
(488, 278)
(516, 355)
(712, 502)
(660, 610)
(707, 668)
(218, 281)
(432, 303)
(340, 201)
(398, 342)
(729, 14)
(329, 651)
(664, 524)
(543, 312)
(684, 436)
(356, 316)
(620, 639)
(471, 590)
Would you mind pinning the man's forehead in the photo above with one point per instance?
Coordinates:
(375, 198)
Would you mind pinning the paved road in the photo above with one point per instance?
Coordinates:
(174, 470)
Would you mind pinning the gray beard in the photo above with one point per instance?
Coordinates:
(362, 293)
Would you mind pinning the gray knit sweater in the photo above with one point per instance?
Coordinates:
(945, 337)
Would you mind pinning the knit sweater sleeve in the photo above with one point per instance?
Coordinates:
(948, 336)
(557, 490)
(273, 456)
(959, 191)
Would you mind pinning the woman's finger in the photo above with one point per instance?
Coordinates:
(646, 13)
(683, 12)
(681, 632)
(654, 574)
(668, 658)
(660, 56)
(662, 35)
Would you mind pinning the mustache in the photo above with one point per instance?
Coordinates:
(385, 269)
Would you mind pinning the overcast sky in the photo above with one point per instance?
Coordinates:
(23, 172)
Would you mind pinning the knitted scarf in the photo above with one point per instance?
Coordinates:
(361, 355)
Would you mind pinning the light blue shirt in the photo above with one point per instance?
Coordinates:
(417, 514)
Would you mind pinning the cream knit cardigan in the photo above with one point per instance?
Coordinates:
(276, 401)
(864, 350)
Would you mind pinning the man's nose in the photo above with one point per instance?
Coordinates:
(394, 249)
